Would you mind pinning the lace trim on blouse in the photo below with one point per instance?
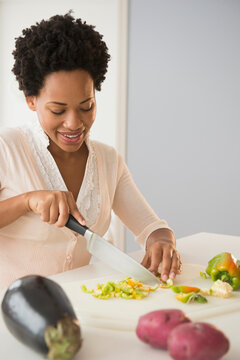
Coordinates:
(88, 200)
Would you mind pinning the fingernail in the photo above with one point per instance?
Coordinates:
(83, 222)
(164, 277)
(151, 270)
(172, 275)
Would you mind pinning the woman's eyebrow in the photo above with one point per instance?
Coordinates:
(86, 100)
(60, 103)
(56, 102)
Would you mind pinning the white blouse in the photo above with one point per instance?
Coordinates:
(88, 198)
(29, 245)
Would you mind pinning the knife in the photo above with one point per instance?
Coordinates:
(111, 255)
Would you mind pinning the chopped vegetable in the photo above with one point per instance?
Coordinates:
(191, 297)
(185, 289)
(203, 275)
(84, 289)
(220, 289)
(224, 267)
(167, 285)
(127, 288)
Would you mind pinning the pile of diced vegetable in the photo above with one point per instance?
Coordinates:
(128, 288)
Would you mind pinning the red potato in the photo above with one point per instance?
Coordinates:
(198, 341)
(154, 328)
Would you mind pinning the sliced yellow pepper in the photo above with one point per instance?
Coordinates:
(127, 288)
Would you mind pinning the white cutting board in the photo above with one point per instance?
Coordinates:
(122, 314)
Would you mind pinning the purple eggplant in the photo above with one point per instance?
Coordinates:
(37, 311)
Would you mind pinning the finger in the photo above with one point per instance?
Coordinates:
(175, 265)
(145, 262)
(63, 214)
(166, 264)
(53, 212)
(44, 211)
(74, 209)
(155, 259)
(179, 262)
(180, 269)
(180, 265)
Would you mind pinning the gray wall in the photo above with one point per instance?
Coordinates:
(183, 141)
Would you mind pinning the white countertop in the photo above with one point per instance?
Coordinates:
(105, 344)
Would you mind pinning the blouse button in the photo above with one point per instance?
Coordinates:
(69, 258)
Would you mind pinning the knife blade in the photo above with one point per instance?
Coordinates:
(111, 255)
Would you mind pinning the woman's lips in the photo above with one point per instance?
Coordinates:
(71, 138)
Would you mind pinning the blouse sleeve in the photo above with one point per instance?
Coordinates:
(132, 208)
(3, 162)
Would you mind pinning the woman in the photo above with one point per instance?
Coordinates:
(52, 168)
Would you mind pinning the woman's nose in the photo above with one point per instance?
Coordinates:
(73, 120)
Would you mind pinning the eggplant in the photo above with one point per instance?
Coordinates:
(37, 311)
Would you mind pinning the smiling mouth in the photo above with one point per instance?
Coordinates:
(71, 138)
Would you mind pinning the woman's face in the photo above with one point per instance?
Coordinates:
(66, 109)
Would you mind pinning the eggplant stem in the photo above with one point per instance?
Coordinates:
(64, 340)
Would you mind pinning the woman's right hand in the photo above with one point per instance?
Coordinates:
(54, 207)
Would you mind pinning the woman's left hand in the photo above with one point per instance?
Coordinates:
(161, 248)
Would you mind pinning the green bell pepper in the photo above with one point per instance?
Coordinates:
(226, 268)
(185, 289)
(191, 297)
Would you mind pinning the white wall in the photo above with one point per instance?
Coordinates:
(110, 19)
(183, 112)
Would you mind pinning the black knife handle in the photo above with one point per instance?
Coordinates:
(74, 225)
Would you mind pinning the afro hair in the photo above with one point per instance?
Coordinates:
(60, 43)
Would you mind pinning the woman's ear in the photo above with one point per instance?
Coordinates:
(31, 102)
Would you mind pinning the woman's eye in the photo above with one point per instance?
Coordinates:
(89, 109)
(57, 113)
